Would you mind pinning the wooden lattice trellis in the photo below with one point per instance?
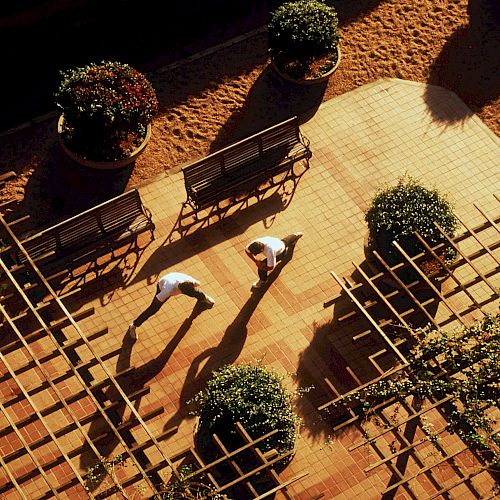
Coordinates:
(398, 432)
(54, 384)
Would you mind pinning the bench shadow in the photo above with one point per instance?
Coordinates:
(131, 381)
(468, 65)
(191, 235)
(271, 100)
(226, 352)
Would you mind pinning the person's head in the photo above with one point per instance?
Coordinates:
(255, 247)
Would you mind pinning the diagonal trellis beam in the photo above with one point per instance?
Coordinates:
(49, 380)
(478, 239)
(486, 216)
(448, 271)
(469, 261)
(94, 354)
(33, 456)
(407, 290)
(370, 319)
(455, 313)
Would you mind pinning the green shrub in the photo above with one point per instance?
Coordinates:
(396, 212)
(302, 31)
(105, 106)
(253, 396)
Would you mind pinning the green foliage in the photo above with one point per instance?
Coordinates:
(103, 104)
(302, 30)
(253, 396)
(396, 212)
(190, 487)
(469, 362)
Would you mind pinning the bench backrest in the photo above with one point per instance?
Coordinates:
(280, 138)
(92, 225)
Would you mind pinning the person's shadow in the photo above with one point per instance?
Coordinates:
(226, 352)
(132, 381)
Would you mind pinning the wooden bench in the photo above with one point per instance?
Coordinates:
(244, 165)
(98, 230)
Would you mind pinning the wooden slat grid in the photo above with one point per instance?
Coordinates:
(45, 412)
(399, 431)
(234, 473)
(31, 346)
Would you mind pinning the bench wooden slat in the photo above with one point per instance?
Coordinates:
(83, 236)
(244, 165)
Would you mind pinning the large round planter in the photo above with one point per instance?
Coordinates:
(280, 464)
(103, 165)
(308, 81)
(387, 279)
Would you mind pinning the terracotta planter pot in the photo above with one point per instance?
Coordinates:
(308, 81)
(103, 165)
(386, 278)
(280, 465)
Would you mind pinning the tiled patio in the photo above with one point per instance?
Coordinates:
(359, 140)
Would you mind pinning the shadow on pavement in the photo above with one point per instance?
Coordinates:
(131, 382)
(180, 245)
(341, 348)
(271, 100)
(468, 64)
(60, 188)
(226, 352)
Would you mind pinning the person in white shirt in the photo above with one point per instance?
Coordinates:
(266, 251)
(169, 285)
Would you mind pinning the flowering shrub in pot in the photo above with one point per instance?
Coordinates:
(251, 395)
(396, 212)
(303, 39)
(107, 108)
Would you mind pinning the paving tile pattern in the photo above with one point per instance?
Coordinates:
(360, 141)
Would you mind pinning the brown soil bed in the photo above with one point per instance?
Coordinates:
(213, 100)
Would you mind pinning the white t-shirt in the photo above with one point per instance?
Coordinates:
(169, 285)
(272, 248)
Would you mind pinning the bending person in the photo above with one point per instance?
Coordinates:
(266, 251)
(169, 285)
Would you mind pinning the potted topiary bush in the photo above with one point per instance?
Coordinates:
(396, 212)
(107, 109)
(303, 41)
(251, 395)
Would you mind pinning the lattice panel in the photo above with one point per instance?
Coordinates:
(409, 437)
(62, 409)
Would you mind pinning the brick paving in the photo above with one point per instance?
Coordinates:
(359, 140)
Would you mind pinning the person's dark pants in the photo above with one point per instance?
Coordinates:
(153, 308)
(288, 241)
(188, 289)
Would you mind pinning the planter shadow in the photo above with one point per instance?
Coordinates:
(344, 344)
(271, 100)
(467, 65)
(59, 188)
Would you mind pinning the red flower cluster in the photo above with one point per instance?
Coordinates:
(103, 105)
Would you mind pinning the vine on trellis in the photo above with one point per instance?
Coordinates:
(464, 364)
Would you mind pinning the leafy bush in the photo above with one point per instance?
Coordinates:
(253, 396)
(468, 370)
(107, 107)
(302, 31)
(397, 212)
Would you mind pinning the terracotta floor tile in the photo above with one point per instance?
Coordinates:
(360, 140)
